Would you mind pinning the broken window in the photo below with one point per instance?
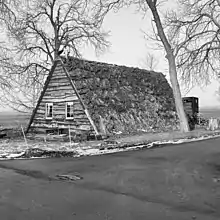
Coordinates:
(69, 110)
(49, 110)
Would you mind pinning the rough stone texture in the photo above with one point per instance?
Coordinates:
(123, 98)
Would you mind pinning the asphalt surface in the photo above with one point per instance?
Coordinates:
(176, 182)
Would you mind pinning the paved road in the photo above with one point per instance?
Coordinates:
(171, 183)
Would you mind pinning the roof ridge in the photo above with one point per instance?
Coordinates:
(107, 64)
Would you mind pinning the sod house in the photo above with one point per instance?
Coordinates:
(92, 97)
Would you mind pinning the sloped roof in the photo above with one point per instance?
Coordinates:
(120, 94)
(126, 98)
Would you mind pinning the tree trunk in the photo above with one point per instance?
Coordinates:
(184, 127)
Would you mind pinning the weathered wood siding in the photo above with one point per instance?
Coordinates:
(58, 92)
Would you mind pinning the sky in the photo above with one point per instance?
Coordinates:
(129, 48)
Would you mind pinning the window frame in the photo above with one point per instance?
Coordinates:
(70, 104)
(48, 105)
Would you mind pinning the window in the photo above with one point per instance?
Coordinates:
(69, 110)
(49, 110)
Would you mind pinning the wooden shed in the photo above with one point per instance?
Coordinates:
(93, 97)
(191, 105)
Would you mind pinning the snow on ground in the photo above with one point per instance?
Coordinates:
(19, 149)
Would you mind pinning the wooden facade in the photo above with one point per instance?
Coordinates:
(59, 92)
(92, 97)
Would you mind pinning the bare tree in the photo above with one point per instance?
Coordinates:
(150, 61)
(22, 95)
(42, 29)
(19, 80)
(195, 34)
(161, 35)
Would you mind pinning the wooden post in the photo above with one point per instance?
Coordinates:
(102, 125)
(70, 136)
(80, 99)
(25, 140)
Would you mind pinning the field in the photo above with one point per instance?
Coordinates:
(13, 119)
(210, 112)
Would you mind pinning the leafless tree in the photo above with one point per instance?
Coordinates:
(21, 93)
(150, 61)
(41, 29)
(163, 37)
(195, 35)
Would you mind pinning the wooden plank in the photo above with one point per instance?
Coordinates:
(41, 126)
(58, 123)
(58, 84)
(58, 70)
(62, 91)
(55, 86)
(61, 96)
(57, 80)
(63, 87)
(57, 100)
(40, 114)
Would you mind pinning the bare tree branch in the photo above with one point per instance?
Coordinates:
(150, 62)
